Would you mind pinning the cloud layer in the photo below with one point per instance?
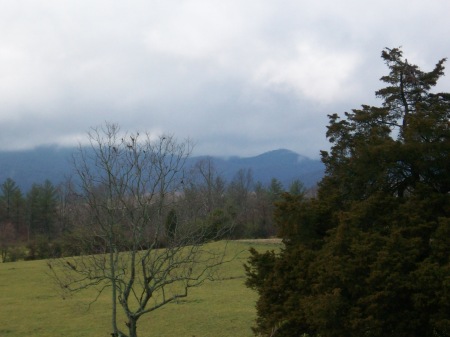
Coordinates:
(238, 77)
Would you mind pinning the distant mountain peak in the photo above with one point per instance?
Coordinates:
(53, 163)
(284, 154)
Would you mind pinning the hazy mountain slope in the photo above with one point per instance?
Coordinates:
(54, 163)
(35, 166)
(285, 165)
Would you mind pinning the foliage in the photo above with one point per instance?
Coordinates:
(7, 236)
(369, 256)
(171, 224)
(42, 209)
(41, 248)
(275, 189)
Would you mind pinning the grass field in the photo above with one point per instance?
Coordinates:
(31, 305)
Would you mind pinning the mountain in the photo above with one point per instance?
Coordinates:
(54, 163)
(285, 165)
(35, 166)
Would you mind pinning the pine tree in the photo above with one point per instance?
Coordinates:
(42, 209)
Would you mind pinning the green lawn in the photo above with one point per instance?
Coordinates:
(31, 305)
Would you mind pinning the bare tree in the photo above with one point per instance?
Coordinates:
(204, 188)
(128, 184)
(239, 193)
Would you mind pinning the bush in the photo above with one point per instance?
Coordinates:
(15, 253)
(42, 248)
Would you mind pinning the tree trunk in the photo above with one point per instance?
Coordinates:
(113, 292)
(132, 326)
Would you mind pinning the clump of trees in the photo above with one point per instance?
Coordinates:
(369, 256)
(28, 223)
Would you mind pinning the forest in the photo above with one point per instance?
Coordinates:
(43, 222)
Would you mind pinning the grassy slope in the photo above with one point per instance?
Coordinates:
(31, 305)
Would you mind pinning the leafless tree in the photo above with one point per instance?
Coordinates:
(204, 188)
(128, 183)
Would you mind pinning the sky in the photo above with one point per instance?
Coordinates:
(238, 77)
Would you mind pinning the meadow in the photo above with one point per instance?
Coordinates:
(32, 305)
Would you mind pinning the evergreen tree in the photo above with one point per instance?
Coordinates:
(11, 206)
(171, 224)
(296, 187)
(369, 256)
(275, 189)
(42, 209)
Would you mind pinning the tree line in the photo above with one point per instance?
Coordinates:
(42, 222)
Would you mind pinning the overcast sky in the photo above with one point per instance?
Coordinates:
(239, 77)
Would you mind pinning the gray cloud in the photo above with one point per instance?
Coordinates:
(238, 77)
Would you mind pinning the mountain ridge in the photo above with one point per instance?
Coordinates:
(26, 167)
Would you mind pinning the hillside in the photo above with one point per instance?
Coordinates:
(54, 164)
(285, 165)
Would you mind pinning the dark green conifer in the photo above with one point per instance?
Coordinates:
(370, 255)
